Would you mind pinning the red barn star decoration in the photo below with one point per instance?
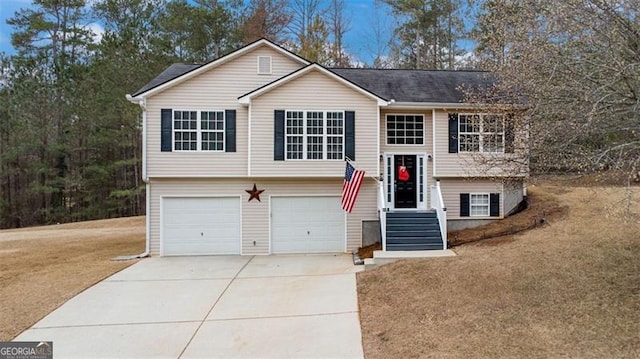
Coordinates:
(254, 193)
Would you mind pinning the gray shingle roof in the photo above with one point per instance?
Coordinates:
(417, 85)
(170, 73)
(399, 85)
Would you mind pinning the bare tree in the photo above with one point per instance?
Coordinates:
(309, 30)
(575, 67)
(338, 24)
(266, 18)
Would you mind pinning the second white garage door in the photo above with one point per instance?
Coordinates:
(307, 225)
(199, 226)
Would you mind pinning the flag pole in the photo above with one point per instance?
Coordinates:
(351, 162)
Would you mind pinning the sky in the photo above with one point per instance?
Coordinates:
(359, 40)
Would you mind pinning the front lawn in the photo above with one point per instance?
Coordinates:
(43, 267)
(569, 289)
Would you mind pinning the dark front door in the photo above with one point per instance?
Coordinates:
(405, 189)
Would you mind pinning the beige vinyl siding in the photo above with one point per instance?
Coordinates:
(216, 89)
(254, 214)
(513, 195)
(451, 189)
(428, 138)
(313, 91)
(463, 164)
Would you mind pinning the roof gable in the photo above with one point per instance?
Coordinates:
(246, 98)
(178, 73)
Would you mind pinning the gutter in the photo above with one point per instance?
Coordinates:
(446, 106)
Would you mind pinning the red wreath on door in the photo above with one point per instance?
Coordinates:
(403, 174)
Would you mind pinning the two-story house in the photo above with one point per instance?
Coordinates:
(264, 116)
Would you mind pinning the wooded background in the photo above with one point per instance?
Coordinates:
(70, 143)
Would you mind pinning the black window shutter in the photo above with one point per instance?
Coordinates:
(509, 134)
(278, 135)
(166, 129)
(453, 133)
(350, 135)
(464, 205)
(494, 204)
(230, 130)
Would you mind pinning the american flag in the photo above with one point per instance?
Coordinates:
(351, 187)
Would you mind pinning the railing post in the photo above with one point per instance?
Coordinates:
(437, 203)
(382, 215)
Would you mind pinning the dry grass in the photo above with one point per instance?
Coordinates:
(569, 289)
(43, 267)
(367, 251)
(542, 207)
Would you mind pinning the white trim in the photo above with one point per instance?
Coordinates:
(386, 134)
(220, 61)
(446, 106)
(144, 143)
(502, 196)
(346, 222)
(248, 139)
(280, 175)
(199, 130)
(241, 225)
(378, 144)
(346, 230)
(147, 220)
(258, 65)
(433, 142)
(420, 205)
(161, 239)
(246, 99)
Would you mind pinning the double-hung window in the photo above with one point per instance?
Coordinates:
(481, 133)
(212, 130)
(198, 130)
(314, 135)
(479, 204)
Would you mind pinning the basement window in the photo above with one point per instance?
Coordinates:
(479, 204)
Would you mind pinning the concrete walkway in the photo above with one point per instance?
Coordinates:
(213, 307)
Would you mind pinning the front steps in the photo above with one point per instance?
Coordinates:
(413, 231)
(381, 258)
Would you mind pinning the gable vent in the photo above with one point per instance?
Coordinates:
(264, 65)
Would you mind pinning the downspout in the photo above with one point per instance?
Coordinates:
(249, 115)
(142, 102)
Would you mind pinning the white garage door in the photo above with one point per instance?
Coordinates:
(307, 225)
(196, 226)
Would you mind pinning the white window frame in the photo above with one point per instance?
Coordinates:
(305, 136)
(472, 205)
(198, 130)
(270, 65)
(481, 133)
(386, 129)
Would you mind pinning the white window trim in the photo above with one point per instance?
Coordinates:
(304, 135)
(270, 65)
(198, 130)
(386, 130)
(488, 213)
(481, 133)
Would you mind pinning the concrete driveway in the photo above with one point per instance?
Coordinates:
(206, 307)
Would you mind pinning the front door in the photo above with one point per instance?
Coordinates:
(404, 183)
